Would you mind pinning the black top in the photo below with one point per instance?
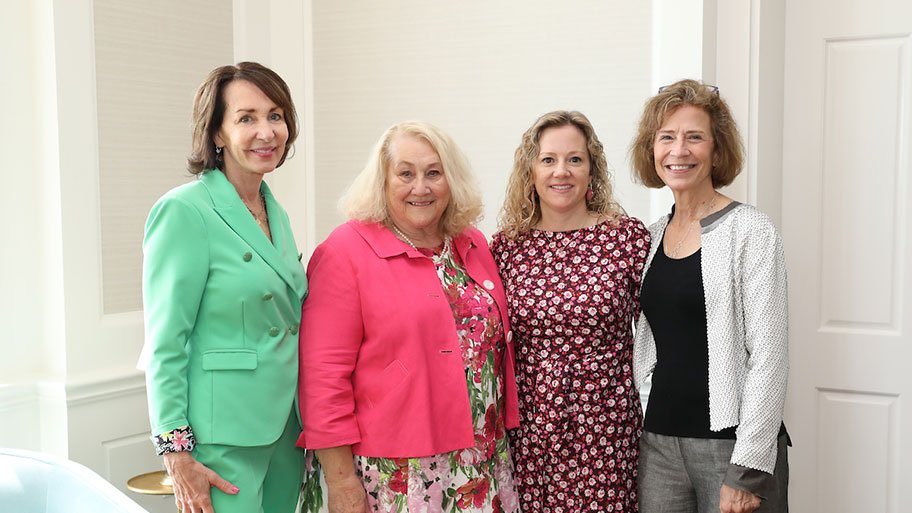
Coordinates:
(674, 304)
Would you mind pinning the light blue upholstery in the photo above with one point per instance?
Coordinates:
(33, 482)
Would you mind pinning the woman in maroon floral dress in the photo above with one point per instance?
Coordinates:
(571, 263)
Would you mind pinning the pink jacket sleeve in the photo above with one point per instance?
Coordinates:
(330, 337)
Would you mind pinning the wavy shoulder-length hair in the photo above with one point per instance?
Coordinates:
(365, 199)
(522, 208)
(728, 150)
(209, 110)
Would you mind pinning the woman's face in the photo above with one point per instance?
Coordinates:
(561, 171)
(417, 192)
(684, 149)
(253, 132)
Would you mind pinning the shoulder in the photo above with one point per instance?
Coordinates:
(346, 235)
(179, 205)
(475, 235)
(501, 244)
(749, 222)
(633, 227)
(191, 193)
(655, 229)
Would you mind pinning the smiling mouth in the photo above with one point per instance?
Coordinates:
(263, 151)
(680, 167)
(562, 187)
(419, 203)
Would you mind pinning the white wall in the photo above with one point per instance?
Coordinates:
(95, 93)
(31, 312)
(482, 71)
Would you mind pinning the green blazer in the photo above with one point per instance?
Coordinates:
(222, 310)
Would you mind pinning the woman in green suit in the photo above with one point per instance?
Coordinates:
(223, 286)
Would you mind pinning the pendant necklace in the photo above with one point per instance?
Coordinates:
(707, 208)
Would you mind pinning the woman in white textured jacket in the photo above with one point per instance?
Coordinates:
(713, 332)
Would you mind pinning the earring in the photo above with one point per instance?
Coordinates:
(589, 193)
(218, 150)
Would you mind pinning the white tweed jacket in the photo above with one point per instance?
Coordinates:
(744, 282)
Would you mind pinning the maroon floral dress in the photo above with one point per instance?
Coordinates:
(573, 298)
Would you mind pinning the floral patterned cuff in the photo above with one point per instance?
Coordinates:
(177, 440)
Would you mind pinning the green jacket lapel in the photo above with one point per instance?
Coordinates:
(231, 209)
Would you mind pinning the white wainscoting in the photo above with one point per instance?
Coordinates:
(108, 431)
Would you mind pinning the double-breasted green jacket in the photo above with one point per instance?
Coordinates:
(222, 313)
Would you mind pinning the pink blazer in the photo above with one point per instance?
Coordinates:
(381, 366)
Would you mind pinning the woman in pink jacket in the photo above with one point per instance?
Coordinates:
(407, 383)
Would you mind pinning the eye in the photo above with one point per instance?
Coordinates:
(275, 116)
(245, 119)
(434, 172)
(547, 160)
(405, 173)
(695, 137)
(664, 137)
(576, 160)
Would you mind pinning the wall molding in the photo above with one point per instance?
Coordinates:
(104, 389)
(16, 395)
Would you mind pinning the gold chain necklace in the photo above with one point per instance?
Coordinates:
(261, 219)
(708, 208)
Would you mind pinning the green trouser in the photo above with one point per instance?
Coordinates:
(269, 476)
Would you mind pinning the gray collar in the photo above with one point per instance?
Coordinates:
(708, 223)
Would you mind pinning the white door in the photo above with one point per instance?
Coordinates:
(846, 224)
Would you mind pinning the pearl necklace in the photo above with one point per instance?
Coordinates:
(707, 209)
(446, 241)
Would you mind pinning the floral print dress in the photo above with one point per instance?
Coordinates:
(573, 297)
(477, 479)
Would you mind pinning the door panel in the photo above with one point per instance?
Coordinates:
(846, 192)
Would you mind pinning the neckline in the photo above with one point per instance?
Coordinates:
(575, 230)
(713, 217)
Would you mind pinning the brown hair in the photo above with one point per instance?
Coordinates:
(521, 209)
(728, 151)
(209, 110)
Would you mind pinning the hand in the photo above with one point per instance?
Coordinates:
(346, 495)
(192, 481)
(732, 500)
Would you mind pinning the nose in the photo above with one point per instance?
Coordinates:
(422, 185)
(562, 169)
(679, 147)
(265, 131)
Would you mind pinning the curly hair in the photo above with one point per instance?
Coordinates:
(366, 200)
(209, 110)
(728, 152)
(522, 208)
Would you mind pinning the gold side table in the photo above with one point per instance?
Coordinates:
(152, 483)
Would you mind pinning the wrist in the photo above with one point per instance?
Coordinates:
(177, 440)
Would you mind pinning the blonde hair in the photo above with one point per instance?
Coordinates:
(522, 209)
(728, 151)
(365, 199)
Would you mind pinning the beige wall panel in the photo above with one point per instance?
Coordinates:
(149, 59)
(482, 71)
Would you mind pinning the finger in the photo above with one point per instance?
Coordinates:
(221, 483)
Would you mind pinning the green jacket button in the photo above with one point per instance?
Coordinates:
(267, 296)
(247, 256)
(273, 331)
(293, 330)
